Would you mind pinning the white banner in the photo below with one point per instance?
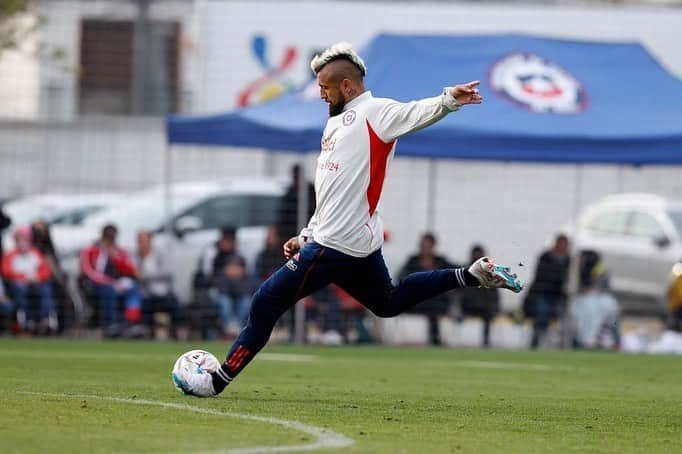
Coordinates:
(248, 52)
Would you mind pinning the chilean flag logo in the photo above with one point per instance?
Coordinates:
(537, 84)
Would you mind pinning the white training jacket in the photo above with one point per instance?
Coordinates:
(357, 146)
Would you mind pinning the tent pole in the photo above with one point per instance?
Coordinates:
(167, 170)
(574, 267)
(302, 220)
(431, 196)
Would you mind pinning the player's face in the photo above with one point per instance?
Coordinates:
(330, 92)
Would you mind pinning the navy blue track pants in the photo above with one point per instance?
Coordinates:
(316, 266)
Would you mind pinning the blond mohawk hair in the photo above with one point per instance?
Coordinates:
(339, 51)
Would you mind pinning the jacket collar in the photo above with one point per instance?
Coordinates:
(365, 95)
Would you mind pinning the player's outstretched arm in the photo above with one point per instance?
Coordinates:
(394, 119)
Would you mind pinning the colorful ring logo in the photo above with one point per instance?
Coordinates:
(273, 83)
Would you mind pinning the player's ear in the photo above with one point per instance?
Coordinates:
(346, 86)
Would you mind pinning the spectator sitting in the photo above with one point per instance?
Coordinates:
(28, 273)
(215, 256)
(112, 275)
(6, 309)
(480, 302)
(155, 283)
(42, 240)
(594, 310)
(231, 292)
(546, 298)
(675, 304)
(426, 260)
(271, 258)
(204, 316)
(5, 222)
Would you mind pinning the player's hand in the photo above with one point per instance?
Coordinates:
(467, 93)
(291, 247)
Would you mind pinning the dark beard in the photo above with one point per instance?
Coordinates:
(335, 109)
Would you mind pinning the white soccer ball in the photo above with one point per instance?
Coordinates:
(191, 373)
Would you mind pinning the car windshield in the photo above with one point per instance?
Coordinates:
(676, 217)
(28, 210)
(76, 216)
(238, 210)
(143, 211)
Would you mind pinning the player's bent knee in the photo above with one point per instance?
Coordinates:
(384, 312)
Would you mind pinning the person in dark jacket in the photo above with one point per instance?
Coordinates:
(427, 260)
(287, 216)
(5, 222)
(271, 258)
(42, 240)
(231, 292)
(215, 256)
(480, 302)
(546, 298)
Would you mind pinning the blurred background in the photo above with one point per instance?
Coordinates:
(184, 127)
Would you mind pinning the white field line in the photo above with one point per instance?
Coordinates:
(498, 365)
(324, 438)
(138, 357)
(286, 357)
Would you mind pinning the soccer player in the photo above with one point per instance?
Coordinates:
(342, 242)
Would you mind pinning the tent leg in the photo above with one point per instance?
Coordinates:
(574, 267)
(302, 211)
(431, 196)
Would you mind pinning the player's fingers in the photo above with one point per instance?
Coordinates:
(473, 84)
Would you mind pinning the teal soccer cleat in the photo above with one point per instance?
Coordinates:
(492, 275)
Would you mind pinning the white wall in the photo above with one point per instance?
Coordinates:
(217, 62)
(228, 28)
(35, 88)
(20, 78)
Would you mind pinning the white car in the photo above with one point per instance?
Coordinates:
(68, 209)
(185, 218)
(640, 239)
(55, 209)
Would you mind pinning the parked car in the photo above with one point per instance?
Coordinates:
(69, 209)
(185, 218)
(640, 239)
(55, 209)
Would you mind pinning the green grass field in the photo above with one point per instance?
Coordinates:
(61, 396)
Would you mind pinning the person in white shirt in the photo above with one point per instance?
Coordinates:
(156, 283)
(342, 242)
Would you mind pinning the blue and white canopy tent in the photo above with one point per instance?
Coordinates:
(546, 100)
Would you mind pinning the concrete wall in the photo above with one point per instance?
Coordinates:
(53, 90)
(20, 77)
(218, 63)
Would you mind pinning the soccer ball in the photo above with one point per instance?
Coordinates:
(191, 373)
